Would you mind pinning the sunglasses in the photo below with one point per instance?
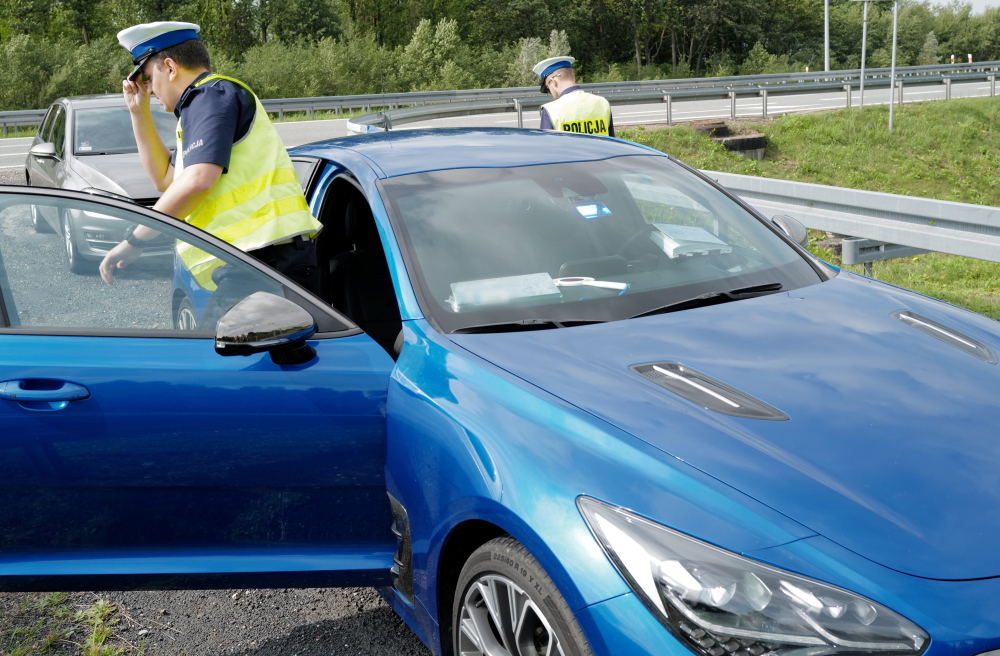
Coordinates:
(143, 77)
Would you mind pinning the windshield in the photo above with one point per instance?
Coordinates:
(108, 130)
(579, 242)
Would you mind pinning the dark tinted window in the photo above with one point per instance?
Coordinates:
(58, 137)
(46, 128)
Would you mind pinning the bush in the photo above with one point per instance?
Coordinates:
(280, 70)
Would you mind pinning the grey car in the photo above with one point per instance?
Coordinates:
(85, 143)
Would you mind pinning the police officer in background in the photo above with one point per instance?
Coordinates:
(573, 110)
(230, 174)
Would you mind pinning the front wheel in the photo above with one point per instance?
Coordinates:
(506, 605)
(38, 222)
(76, 263)
(185, 318)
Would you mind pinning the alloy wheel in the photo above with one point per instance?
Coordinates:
(498, 618)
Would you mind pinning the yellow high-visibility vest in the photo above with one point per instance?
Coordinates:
(579, 111)
(256, 203)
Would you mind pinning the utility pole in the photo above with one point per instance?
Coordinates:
(892, 72)
(864, 47)
(826, 35)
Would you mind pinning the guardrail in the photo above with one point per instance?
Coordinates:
(392, 101)
(887, 219)
(668, 96)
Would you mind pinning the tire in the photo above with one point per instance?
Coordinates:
(38, 222)
(506, 605)
(74, 261)
(185, 317)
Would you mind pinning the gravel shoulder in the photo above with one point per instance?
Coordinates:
(284, 622)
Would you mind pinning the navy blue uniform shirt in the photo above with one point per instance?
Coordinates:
(216, 115)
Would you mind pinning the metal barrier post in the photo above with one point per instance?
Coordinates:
(763, 94)
(281, 114)
(899, 86)
(947, 88)
(993, 85)
(732, 97)
(667, 99)
(520, 114)
(847, 90)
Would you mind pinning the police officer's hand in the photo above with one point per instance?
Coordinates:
(136, 95)
(118, 257)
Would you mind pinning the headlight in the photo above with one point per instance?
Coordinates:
(718, 603)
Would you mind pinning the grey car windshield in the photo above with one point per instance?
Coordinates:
(108, 130)
(581, 242)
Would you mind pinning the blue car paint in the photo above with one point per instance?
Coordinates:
(508, 430)
(411, 151)
(501, 447)
(222, 461)
(826, 355)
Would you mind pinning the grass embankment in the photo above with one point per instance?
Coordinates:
(944, 150)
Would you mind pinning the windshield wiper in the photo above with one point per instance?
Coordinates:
(714, 298)
(522, 325)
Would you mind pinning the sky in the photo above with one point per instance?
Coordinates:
(978, 6)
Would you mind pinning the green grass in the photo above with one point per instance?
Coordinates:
(16, 134)
(943, 150)
(35, 624)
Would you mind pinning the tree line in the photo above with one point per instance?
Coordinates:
(299, 48)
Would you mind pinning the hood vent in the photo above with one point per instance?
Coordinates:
(947, 335)
(706, 391)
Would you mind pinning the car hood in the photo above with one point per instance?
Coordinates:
(120, 174)
(889, 449)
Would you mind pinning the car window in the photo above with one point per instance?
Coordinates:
(58, 136)
(108, 130)
(580, 241)
(185, 290)
(46, 127)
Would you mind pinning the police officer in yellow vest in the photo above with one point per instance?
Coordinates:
(230, 174)
(573, 110)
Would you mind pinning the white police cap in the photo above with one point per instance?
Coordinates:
(548, 66)
(150, 38)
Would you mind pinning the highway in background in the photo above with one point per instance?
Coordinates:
(14, 151)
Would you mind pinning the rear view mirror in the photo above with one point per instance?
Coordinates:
(792, 227)
(45, 150)
(265, 322)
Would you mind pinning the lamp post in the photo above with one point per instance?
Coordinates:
(892, 71)
(864, 47)
(826, 35)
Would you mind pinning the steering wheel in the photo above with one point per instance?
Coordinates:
(635, 237)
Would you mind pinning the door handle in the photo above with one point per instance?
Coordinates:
(55, 394)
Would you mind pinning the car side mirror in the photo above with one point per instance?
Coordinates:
(266, 322)
(46, 150)
(792, 227)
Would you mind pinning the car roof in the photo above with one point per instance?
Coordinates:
(101, 100)
(401, 152)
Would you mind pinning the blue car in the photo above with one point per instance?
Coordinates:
(558, 394)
